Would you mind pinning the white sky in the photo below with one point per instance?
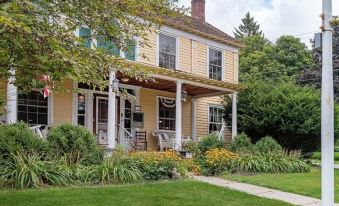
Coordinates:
(299, 18)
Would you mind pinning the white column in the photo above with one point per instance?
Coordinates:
(89, 111)
(122, 122)
(327, 110)
(234, 116)
(12, 99)
(111, 112)
(178, 117)
(194, 119)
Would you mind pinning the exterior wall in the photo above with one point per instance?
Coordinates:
(149, 107)
(192, 57)
(62, 105)
(202, 114)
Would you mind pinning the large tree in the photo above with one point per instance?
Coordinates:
(37, 37)
(248, 27)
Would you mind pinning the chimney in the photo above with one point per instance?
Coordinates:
(198, 9)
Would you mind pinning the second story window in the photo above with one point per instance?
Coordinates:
(167, 51)
(215, 64)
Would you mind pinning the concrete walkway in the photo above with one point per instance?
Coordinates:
(262, 191)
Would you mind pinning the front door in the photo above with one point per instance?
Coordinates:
(101, 116)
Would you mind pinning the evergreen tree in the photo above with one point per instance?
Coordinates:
(248, 27)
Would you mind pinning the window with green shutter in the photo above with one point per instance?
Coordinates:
(85, 33)
(130, 52)
(108, 46)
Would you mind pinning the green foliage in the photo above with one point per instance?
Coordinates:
(118, 168)
(282, 109)
(76, 143)
(18, 138)
(191, 146)
(211, 141)
(45, 41)
(270, 162)
(29, 170)
(268, 144)
(248, 27)
(241, 143)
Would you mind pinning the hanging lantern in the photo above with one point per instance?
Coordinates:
(184, 96)
(115, 85)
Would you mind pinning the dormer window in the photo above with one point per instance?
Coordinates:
(215, 64)
(167, 51)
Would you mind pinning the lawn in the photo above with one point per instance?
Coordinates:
(301, 183)
(161, 193)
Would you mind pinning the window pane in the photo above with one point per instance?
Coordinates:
(215, 64)
(85, 34)
(167, 51)
(166, 114)
(130, 53)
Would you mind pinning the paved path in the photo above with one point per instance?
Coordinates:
(262, 191)
(336, 166)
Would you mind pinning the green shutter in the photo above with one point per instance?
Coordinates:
(108, 46)
(130, 52)
(85, 34)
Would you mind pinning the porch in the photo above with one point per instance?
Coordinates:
(181, 105)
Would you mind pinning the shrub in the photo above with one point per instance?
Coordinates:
(76, 143)
(268, 144)
(120, 167)
(217, 160)
(191, 146)
(28, 170)
(211, 141)
(241, 143)
(158, 165)
(271, 162)
(18, 138)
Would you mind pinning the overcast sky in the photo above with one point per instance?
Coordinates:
(299, 18)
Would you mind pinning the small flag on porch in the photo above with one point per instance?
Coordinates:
(46, 92)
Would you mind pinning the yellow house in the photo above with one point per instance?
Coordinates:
(193, 64)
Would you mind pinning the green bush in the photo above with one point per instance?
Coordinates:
(241, 143)
(18, 138)
(76, 143)
(271, 162)
(268, 144)
(191, 146)
(211, 141)
(29, 170)
(120, 167)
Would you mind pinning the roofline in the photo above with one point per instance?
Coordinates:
(208, 36)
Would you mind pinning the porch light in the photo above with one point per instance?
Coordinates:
(184, 96)
(115, 85)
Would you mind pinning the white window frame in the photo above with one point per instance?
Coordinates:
(176, 48)
(222, 62)
(208, 116)
(157, 113)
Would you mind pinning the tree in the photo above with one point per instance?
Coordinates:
(248, 27)
(287, 57)
(37, 37)
(280, 108)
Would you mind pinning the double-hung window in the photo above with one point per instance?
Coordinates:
(33, 108)
(215, 64)
(167, 51)
(215, 118)
(166, 112)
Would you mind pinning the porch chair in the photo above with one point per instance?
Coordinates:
(141, 140)
(164, 140)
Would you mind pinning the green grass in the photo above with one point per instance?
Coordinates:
(163, 193)
(308, 184)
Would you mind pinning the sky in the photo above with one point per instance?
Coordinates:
(299, 18)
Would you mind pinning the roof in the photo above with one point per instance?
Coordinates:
(201, 28)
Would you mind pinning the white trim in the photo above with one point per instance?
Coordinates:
(97, 111)
(199, 38)
(50, 112)
(157, 113)
(222, 62)
(173, 35)
(75, 104)
(89, 111)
